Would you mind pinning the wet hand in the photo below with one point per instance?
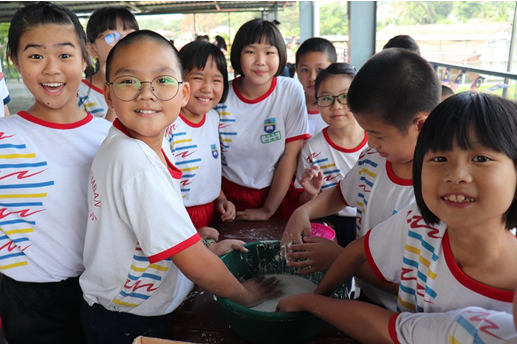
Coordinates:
(226, 246)
(316, 254)
(260, 289)
(312, 180)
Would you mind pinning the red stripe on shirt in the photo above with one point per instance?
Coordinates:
(392, 328)
(394, 178)
(253, 101)
(192, 124)
(299, 137)
(342, 149)
(341, 193)
(370, 259)
(175, 249)
(95, 88)
(53, 125)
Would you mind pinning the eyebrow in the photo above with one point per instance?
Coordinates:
(201, 73)
(40, 46)
(132, 71)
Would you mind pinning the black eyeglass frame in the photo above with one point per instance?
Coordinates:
(333, 99)
(150, 85)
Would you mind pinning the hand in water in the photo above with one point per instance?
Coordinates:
(260, 289)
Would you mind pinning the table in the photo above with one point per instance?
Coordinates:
(200, 319)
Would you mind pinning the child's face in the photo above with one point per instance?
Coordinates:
(308, 68)
(51, 64)
(259, 63)
(206, 88)
(468, 188)
(101, 47)
(337, 115)
(146, 116)
(389, 141)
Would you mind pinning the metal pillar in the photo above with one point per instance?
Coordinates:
(362, 31)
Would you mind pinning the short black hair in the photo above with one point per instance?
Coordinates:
(317, 44)
(195, 55)
(493, 121)
(107, 18)
(404, 42)
(39, 14)
(334, 69)
(447, 91)
(139, 36)
(394, 86)
(258, 31)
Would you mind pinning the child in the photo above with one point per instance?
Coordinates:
(327, 157)
(453, 249)
(140, 245)
(404, 42)
(314, 55)
(379, 185)
(446, 92)
(105, 28)
(194, 139)
(45, 156)
(263, 125)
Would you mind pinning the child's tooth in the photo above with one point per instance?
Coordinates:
(461, 198)
(452, 198)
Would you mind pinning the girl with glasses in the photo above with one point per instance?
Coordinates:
(328, 156)
(105, 28)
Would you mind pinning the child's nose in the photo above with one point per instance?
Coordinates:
(146, 91)
(51, 67)
(458, 173)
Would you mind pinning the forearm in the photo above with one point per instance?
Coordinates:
(326, 203)
(366, 274)
(350, 259)
(364, 322)
(305, 197)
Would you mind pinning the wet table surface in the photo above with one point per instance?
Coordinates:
(200, 318)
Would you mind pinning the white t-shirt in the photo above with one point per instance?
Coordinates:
(368, 186)
(196, 151)
(44, 171)
(471, 325)
(254, 132)
(334, 162)
(4, 95)
(136, 222)
(405, 250)
(91, 99)
(316, 122)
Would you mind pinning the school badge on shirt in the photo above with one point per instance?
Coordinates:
(269, 128)
(215, 152)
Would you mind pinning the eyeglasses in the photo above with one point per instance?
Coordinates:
(128, 88)
(325, 101)
(112, 38)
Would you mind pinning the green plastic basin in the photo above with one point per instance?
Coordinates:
(267, 327)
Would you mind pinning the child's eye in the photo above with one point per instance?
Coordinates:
(481, 158)
(35, 57)
(249, 52)
(64, 56)
(270, 53)
(304, 70)
(218, 81)
(319, 70)
(439, 159)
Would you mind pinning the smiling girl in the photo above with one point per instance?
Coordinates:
(263, 124)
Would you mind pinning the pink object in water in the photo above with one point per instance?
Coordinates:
(319, 230)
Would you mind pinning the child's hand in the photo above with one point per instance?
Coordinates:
(226, 209)
(317, 253)
(257, 214)
(292, 304)
(228, 245)
(260, 289)
(208, 233)
(298, 225)
(312, 180)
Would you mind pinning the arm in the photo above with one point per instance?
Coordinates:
(311, 181)
(350, 259)
(326, 203)
(6, 111)
(283, 176)
(225, 208)
(196, 260)
(362, 321)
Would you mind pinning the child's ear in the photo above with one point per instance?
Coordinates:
(107, 95)
(15, 62)
(420, 120)
(185, 94)
(91, 50)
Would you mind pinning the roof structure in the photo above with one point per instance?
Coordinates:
(85, 8)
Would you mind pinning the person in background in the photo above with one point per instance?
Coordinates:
(45, 153)
(404, 42)
(4, 94)
(446, 92)
(380, 183)
(194, 143)
(105, 28)
(327, 157)
(314, 55)
(221, 44)
(263, 125)
(142, 254)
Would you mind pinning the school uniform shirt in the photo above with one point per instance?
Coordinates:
(471, 325)
(4, 95)
(405, 250)
(334, 162)
(316, 122)
(254, 132)
(44, 171)
(136, 222)
(196, 151)
(91, 99)
(377, 193)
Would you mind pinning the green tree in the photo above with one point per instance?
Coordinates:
(333, 18)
